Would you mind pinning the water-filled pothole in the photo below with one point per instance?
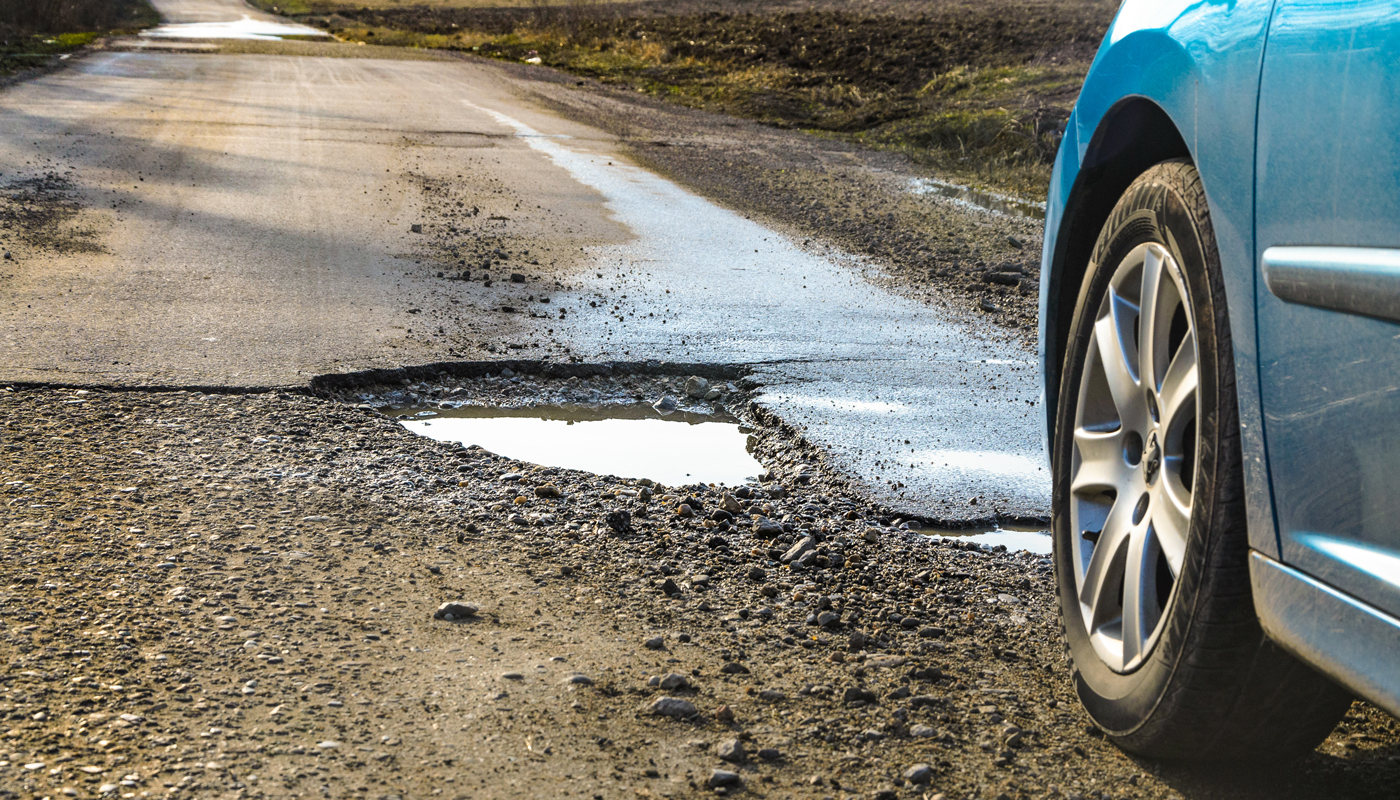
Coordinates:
(1033, 539)
(625, 440)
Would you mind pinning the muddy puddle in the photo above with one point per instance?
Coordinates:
(972, 198)
(626, 440)
(1032, 539)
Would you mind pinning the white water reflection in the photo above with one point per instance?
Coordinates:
(246, 28)
(671, 452)
(984, 462)
(968, 197)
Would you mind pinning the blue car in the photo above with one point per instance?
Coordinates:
(1220, 346)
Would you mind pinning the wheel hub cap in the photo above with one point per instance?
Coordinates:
(1151, 458)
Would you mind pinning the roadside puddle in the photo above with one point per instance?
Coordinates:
(1031, 539)
(246, 28)
(628, 441)
(986, 201)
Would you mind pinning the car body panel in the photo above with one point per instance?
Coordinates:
(1353, 643)
(1328, 220)
(1199, 63)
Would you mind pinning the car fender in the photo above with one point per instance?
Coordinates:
(1171, 79)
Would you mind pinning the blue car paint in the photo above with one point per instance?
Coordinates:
(1199, 63)
(1331, 380)
(1327, 379)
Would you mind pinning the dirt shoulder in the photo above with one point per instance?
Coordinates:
(233, 596)
(868, 202)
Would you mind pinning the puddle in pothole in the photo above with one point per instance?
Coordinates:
(1031, 539)
(629, 441)
(987, 201)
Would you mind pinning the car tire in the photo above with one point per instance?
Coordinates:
(1148, 512)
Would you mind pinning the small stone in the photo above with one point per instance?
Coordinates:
(512, 676)
(757, 573)
(415, 228)
(548, 490)
(921, 731)
(919, 773)
(801, 548)
(728, 503)
(872, 535)
(455, 610)
(666, 403)
(828, 618)
(766, 528)
(857, 694)
(669, 588)
(673, 707)
(685, 511)
(516, 277)
(655, 643)
(107, 788)
(328, 745)
(734, 668)
(579, 680)
(769, 754)
(723, 779)
(673, 681)
(697, 387)
(724, 714)
(771, 696)
(731, 750)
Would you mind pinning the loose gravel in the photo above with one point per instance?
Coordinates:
(235, 596)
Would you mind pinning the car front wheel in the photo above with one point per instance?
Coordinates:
(1148, 512)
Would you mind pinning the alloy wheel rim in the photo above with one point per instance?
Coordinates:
(1133, 464)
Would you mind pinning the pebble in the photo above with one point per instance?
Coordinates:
(757, 573)
(731, 750)
(766, 528)
(512, 676)
(723, 779)
(803, 546)
(672, 707)
(455, 610)
(666, 403)
(328, 745)
(919, 773)
(697, 387)
(920, 731)
(655, 643)
(673, 681)
(548, 490)
(769, 754)
(579, 680)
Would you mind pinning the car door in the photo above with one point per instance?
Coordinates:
(1327, 234)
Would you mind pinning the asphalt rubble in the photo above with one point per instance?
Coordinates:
(239, 595)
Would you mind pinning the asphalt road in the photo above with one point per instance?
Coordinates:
(245, 220)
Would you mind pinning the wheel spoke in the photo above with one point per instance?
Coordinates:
(1102, 576)
(1116, 358)
(1101, 464)
(1148, 334)
(1139, 611)
(1180, 382)
(1171, 521)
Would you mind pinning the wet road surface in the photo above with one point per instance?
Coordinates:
(245, 221)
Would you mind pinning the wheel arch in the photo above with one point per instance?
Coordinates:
(1133, 135)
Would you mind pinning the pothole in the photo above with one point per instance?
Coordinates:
(675, 448)
(1033, 539)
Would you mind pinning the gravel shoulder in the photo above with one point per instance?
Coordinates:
(233, 595)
